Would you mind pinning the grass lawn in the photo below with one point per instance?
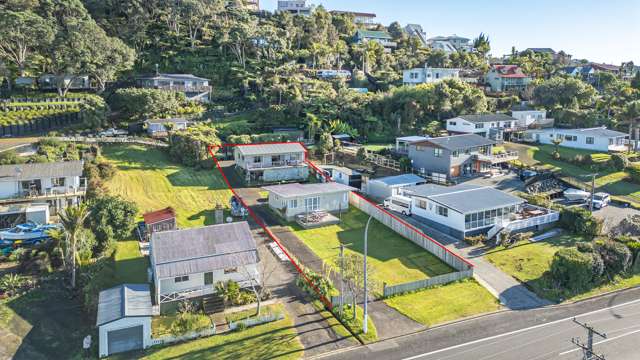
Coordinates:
(445, 303)
(149, 178)
(43, 324)
(276, 339)
(528, 263)
(130, 265)
(394, 259)
(378, 147)
(611, 181)
(161, 325)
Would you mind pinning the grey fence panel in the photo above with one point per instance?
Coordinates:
(410, 233)
(421, 284)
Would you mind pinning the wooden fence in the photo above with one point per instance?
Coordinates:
(409, 232)
(425, 283)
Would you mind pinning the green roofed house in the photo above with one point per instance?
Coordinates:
(381, 37)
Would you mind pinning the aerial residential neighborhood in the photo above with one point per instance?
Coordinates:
(319, 179)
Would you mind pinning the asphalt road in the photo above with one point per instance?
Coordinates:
(533, 334)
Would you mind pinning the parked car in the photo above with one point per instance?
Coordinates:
(600, 200)
(113, 133)
(399, 204)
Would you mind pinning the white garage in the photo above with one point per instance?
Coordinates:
(124, 318)
(385, 187)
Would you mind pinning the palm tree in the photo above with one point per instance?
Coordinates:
(72, 219)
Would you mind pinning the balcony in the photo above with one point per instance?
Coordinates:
(528, 217)
(48, 193)
(497, 158)
(275, 164)
(183, 88)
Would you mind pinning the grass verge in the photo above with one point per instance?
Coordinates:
(444, 303)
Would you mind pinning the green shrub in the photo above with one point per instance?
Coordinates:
(474, 240)
(618, 162)
(616, 257)
(584, 247)
(572, 269)
(634, 173)
(580, 221)
(597, 267)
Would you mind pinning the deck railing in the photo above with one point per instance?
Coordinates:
(275, 164)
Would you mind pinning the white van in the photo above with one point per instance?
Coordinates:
(401, 204)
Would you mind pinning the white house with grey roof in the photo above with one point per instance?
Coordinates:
(270, 163)
(193, 87)
(188, 263)
(467, 210)
(290, 200)
(428, 75)
(58, 183)
(124, 319)
(492, 126)
(595, 139)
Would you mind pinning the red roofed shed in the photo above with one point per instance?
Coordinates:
(160, 220)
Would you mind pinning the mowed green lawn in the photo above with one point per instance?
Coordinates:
(611, 181)
(130, 265)
(394, 259)
(149, 178)
(274, 340)
(445, 303)
(528, 262)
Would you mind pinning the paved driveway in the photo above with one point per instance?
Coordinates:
(504, 287)
(613, 214)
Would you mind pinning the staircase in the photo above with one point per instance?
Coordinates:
(494, 231)
(213, 304)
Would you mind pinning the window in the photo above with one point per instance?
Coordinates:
(455, 154)
(180, 279)
(437, 152)
(590, 140)
(57, 181)
(437, 75)
(257, 159)
(422, 204)
(452, 123)
(570, 137)
(208, 278)
(231, 270)
(312, 204)
(610, 141)
(442, 211)
(275, 158)
(479, 126)
(419, 148)
(293, 203)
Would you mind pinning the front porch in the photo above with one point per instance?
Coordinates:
(316, 219)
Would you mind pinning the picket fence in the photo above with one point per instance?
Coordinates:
(168, 339)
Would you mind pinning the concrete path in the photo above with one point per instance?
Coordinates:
(504, 287)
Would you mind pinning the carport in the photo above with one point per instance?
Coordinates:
(124, 318)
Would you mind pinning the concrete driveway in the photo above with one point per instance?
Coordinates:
(613, 214)
(508, 182)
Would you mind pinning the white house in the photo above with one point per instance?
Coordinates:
(445, 46)
(527, 116)
(493, 126)
(160, 127)
(20, 213)
(381, 37)
(458, 43)
(264, 163)
(193, 87)
(124, 319)
(596, 139)
(358, 17)
(58, 183)
(296, 7)
(188, 263)
(467, 210)
(403, 142)
(428, 75)
(382, 188)
(290, 200)
(73, 82)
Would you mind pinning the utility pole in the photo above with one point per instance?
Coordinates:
(366, 294)
(587, 349)
(593, 190)
(341, 278)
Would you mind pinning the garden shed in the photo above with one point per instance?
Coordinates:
(124, 319)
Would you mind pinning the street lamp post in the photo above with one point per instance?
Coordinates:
(366, 294)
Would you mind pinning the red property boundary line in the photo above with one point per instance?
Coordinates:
(213, 148)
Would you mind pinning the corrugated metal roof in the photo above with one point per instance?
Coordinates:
(464, 198)
(296, 189)
(41, 170)
(342, 169)
(188, 251)
(174, 77)
(483, 118)
(457, 142)
(596, 132)
(399, 180)
(122, 301)
(159, 215)
(268, 149)
(412, 138)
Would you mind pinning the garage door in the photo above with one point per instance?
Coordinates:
(125, 339)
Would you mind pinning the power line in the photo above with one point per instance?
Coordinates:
(587, 349)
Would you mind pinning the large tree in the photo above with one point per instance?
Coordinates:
(564, 92)
(72, 219)
(23, 33)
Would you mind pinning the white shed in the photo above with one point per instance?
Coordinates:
(124, 319)
(385, 187)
